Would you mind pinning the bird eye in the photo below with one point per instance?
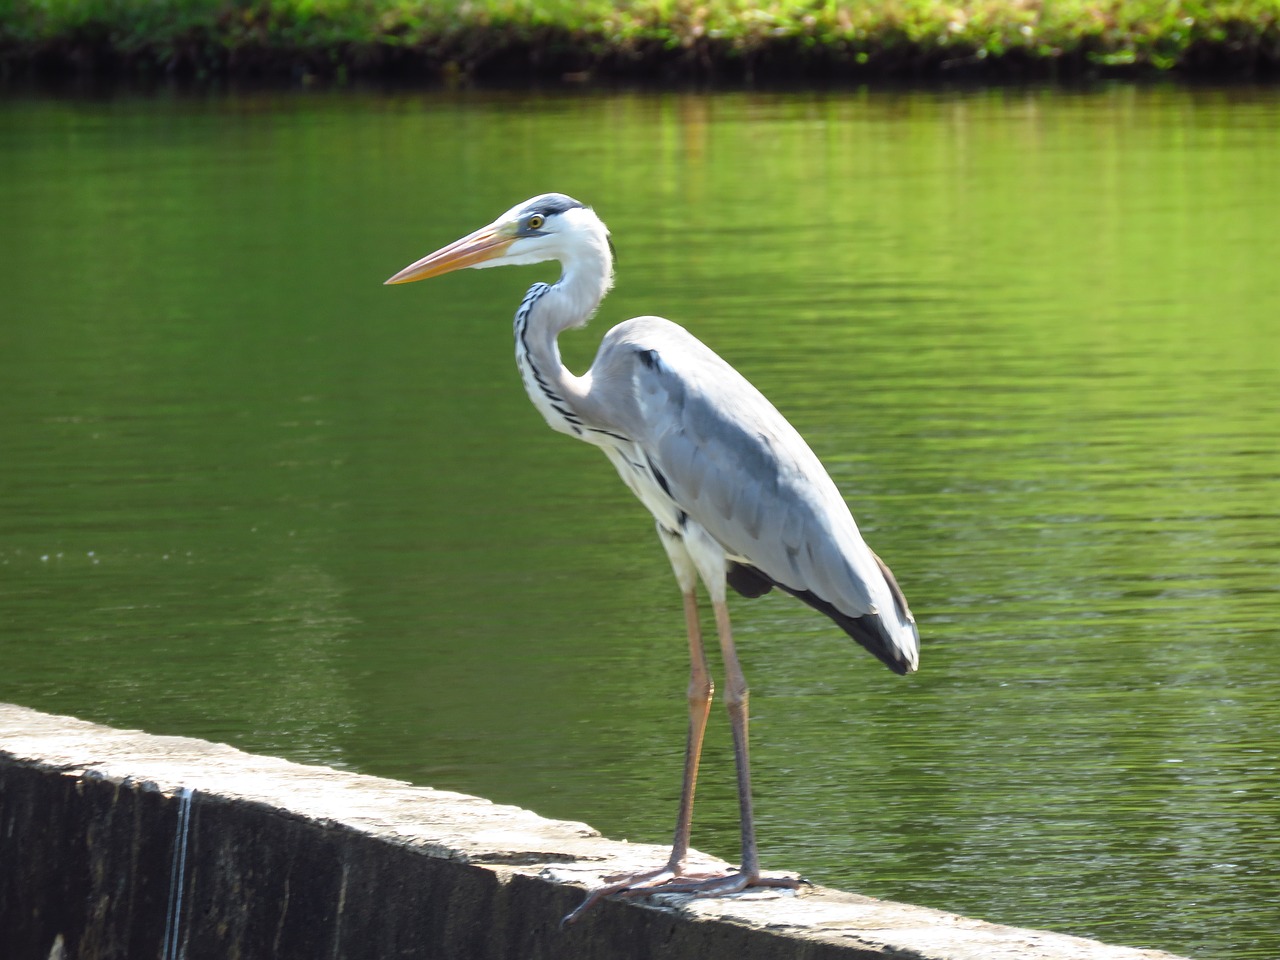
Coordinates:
(536, 221)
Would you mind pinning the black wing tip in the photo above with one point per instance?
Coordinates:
(896, 663)
(868, 630)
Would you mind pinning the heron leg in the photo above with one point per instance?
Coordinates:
(699, 696)
(694, 554)
(737, 699)
(672, 878)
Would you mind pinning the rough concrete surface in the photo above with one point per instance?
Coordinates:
(120, 844)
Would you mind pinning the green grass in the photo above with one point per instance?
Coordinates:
(642, 38)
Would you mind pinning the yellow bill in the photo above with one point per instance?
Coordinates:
(484, 244)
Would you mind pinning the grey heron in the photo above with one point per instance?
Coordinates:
(739, 498)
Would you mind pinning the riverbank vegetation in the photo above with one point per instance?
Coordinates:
(728, 40)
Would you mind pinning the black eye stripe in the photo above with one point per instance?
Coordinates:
(553, 203)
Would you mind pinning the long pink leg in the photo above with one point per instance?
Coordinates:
(737, 699)
(671, 878)
(699, 696)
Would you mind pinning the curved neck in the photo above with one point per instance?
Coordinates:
(544, 314)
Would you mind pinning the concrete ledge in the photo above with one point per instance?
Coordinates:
(116, 843)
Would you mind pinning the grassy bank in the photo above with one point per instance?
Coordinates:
(642, 39)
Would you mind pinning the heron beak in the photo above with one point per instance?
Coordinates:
(487, 243)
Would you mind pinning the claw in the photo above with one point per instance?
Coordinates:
(619, 882)
(667, 880)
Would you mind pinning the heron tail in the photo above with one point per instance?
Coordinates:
(898, 653)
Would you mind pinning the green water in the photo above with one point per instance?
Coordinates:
(249, 494)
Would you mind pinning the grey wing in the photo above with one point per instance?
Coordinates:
(732, 463)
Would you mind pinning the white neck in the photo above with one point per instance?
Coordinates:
(544, 314)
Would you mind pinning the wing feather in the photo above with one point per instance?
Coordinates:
(732, 463)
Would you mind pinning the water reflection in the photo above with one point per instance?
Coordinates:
(247, 494)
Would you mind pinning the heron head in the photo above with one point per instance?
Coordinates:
(548, 227)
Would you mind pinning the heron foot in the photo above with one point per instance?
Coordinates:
(670, 879)
(640, 882)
